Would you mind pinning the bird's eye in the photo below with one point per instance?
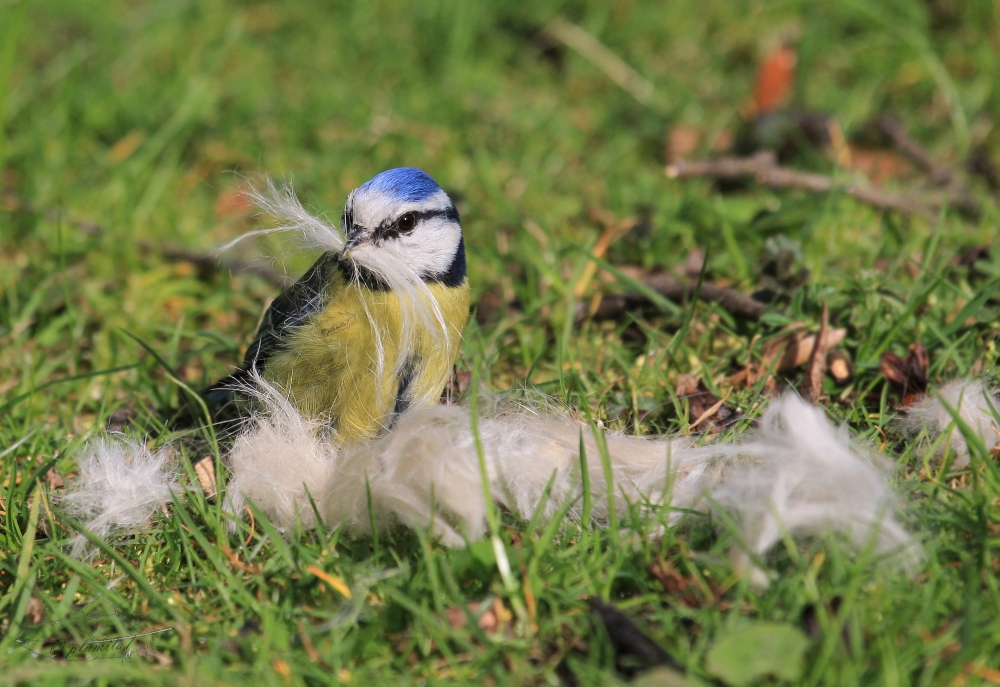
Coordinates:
(406, 223)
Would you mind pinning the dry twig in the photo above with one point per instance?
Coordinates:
(917, 154)
(812, 381)
(939, 174)
(763, 167)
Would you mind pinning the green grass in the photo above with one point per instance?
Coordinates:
(124, 124)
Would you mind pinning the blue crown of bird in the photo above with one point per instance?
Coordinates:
(374, 326)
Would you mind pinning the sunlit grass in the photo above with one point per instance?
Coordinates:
(126, 128)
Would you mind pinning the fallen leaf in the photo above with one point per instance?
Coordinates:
(34, 612)
(682, 140)
(233, 202)
(121, 418)
(758, 650)
(158, 656)
(775, 78)
(282, 668)
(991, 675)
(908, 375)
(613, 230)
(675, 584)
(786, 352)
(879, 166)
(630, 643)
(494, 618)
(706, 412)
(54, 479)
(234, 559)
(205, 469)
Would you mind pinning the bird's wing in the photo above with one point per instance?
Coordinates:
(292, 308)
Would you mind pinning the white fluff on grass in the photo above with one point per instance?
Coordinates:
(797, 474)
(280, 462)
(973, 403)
(120, 484)
(426, 470)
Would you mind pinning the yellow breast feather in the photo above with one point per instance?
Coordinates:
(361, 358)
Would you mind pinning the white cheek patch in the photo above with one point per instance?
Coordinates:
(430, 248)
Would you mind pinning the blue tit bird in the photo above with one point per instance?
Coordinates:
(375, 325)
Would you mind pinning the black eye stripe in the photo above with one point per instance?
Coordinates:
(391, 229)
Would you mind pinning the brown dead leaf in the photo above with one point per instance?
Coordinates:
(205, 469)
(455, 616)
(706, 412)
(158, 656)
(675, 584)
(682, 140)
(54, 479)
(775, 78)
(786, 352)
(613, 230)
(235, 560)
(495, 618)
(35, 612)
(233, 202)
(686, 590)
(908, 375)
(121, 419)
(812, 381)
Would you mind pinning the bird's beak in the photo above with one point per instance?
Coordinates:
(355, 236)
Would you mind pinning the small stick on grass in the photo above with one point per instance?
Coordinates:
(957, 193)
(917, 154)
(812, 381)
(763, 167)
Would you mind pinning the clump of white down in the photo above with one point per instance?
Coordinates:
(972, 402)
(804, 476)
(120, 484)
(797, 474)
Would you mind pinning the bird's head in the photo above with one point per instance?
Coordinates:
(402, 214)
